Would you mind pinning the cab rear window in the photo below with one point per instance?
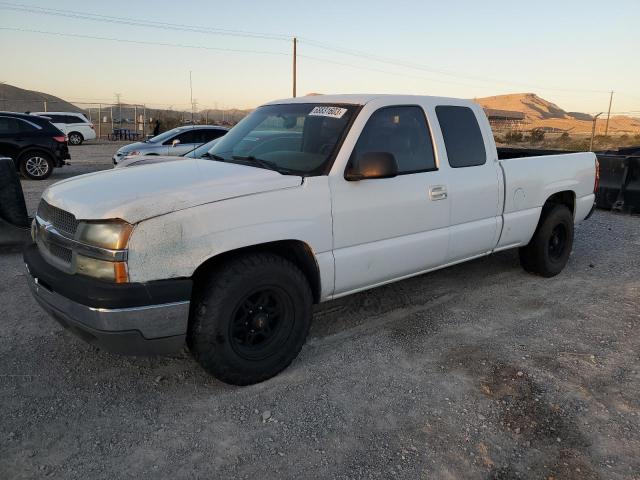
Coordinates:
(462, 136)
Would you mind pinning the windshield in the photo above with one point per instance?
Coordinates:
(198, 152)
(164, 136)
(290, 138)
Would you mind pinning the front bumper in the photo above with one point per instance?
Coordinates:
(133, 329)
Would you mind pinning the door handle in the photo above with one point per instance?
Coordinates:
(437, 192)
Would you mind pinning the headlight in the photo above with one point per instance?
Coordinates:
(131, 154)
(102, 269)
(112, 234)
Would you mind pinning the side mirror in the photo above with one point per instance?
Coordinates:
(372, 165)
(175, 142)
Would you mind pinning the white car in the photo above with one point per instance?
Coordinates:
(344, 193)
(74, 125)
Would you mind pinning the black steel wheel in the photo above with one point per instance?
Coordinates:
(557, 242)
(261, 322)
(249, 318)
(550, 248)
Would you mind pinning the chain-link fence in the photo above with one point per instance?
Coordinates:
(126, 121)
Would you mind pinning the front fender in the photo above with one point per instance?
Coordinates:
(176, 244)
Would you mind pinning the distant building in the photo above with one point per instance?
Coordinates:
(505, 119)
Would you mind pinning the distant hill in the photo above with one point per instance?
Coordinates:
(14, 99)
(539, 112)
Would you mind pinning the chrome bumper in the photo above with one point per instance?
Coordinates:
(146, 330)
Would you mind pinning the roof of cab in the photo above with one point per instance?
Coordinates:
(360, 99)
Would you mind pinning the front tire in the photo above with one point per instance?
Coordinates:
(36, 165)
(75, 138)
(250, 318)
(549, 249)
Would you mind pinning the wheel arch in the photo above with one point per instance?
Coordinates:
(296, 251)
(34, 149)
(564, 197)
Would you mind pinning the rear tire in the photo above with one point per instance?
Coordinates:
(250, 318)
(549, 249)
(36, 165)
(75, 138)
(12, 206)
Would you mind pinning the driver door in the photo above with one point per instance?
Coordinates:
(389, 228)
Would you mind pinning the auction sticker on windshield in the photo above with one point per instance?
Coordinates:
(333, 112)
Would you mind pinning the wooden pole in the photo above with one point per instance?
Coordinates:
(606, 126)
(295, 54)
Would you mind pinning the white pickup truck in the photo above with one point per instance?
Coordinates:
(305, 200)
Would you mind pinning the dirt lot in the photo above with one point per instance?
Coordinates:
(476, 371)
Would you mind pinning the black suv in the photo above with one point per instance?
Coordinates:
(34, 144)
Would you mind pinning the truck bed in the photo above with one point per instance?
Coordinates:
(532, 180)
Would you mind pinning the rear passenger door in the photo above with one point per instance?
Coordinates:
(474, 187)
(388, 228)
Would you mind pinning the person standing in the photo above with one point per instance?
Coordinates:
(156, 128)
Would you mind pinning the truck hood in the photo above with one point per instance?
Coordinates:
(135, 194)
(139, 160)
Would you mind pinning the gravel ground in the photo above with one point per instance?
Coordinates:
(476, 371)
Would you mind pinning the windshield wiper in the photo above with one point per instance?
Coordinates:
(213, 156)
(259, 162)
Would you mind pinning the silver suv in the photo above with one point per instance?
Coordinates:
(174, 142)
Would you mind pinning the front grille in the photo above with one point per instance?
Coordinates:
(61, 220)
(60, 252)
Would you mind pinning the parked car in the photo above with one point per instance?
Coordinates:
(138, 160)
(75, 125)
(230, 254)
(35, 145)
(175, 142)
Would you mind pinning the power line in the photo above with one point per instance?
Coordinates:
(138, 22)
(270, 36)
(416, 66)
(235, 50)
(143, 42)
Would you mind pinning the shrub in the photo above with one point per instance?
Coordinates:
(513, 137)
(536, 135)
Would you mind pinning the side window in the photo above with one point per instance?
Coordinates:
(54, 118)
(188, 136)
(401, 131)
(72, 119)
(462, 136)
(5, 125)
(212, 134)
(15, 125)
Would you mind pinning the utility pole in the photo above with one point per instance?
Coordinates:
(118, 95)
(606, 127)
(295, 54)
(99, 121)
(593, 130)
(191, 90)
(45, 106)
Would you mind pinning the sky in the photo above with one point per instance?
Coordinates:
(569, 52)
